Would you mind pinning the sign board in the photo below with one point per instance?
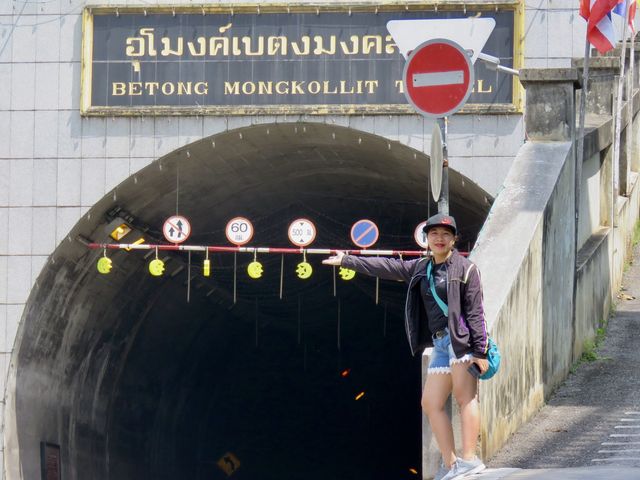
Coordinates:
(419, 236)
(271, 58)
(436, 162)
(176, 229)
(470, 33)
(302, 232)
(364, 233)
(439, 77)
(50, 461)
(239, 231)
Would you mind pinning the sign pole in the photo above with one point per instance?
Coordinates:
(443, 202)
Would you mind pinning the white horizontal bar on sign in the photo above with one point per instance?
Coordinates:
(624, 450)
(620, 443)
(436, 79)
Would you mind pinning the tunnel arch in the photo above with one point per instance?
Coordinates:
(133, 381)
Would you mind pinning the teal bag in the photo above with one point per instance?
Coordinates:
(493, 357)
(493, 354)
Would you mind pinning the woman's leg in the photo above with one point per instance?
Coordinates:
(465, 389)
(436, 391)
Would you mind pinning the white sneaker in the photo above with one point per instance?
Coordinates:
(463, 468)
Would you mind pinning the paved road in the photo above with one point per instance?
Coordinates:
(593, 419)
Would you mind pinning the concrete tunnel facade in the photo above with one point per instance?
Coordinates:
(133, 380)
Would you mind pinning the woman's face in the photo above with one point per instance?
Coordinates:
(441, 240)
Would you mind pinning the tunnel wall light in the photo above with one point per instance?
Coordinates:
(118, 229)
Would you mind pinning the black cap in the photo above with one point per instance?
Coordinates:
(441, 220)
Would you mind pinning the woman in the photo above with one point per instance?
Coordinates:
(444, 311)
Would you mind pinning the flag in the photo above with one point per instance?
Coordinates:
(600, 32)
(621, 9)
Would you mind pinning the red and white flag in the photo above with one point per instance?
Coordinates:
(600, 31)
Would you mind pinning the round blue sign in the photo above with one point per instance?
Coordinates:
(364, 233)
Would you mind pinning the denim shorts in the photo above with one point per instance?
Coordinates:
(442, 356)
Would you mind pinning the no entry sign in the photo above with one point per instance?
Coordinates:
(438, 78)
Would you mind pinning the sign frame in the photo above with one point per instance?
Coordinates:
(86, 109)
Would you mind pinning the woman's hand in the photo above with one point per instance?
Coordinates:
(336, 260)
(483, 363)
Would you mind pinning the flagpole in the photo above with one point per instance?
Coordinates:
(630, 89)
(618, 120)
(580, 153)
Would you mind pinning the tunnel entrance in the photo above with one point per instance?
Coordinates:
(135, 376)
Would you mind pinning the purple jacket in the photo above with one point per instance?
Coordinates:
(467, 325)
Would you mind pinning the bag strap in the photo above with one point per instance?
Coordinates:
(443, 306)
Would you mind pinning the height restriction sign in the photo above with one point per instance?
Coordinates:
(438, 78)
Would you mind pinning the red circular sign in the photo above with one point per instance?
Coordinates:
(438, 77)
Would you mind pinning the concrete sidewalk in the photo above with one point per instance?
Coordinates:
(584, 473)
(593, 419)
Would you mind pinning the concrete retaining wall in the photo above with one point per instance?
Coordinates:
(526, 252)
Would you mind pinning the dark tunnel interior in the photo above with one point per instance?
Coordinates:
(135, 376)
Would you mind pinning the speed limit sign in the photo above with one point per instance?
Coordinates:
(239, 231)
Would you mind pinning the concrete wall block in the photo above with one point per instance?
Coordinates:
(485, 136)
(563, 5)
(22, 126)
(4, 284)
(38, 262)
(511, 134)
(66, 219)
(359, 123)
(4, 231)
(46, 86)
(579, 37)
(93, 180)
(539, 4)
(245, 121)
(20, 230)
(490, 172)
(18, 280)
(141, 140)
(69, 84)
(460, 135)
(117, 170)
(5, 79)
(6, 37)
(387, 127)
(3, 342)
(559, 22)
(94, 138)
(214, 125)
(139, 163)
(45, 181)
(536, 62)
(47, 37)
(23, 80)
(118, 137)
(411, 132)
(69, 181)
(5, 358)
(46, 134)
(71, 38)
(191, 129)
(166, 135)
(69, 133)
(5, 134)
(24, 39)
(14, 315)
(535, 33)
(44, 231)
(20, 183)
(5, 167)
